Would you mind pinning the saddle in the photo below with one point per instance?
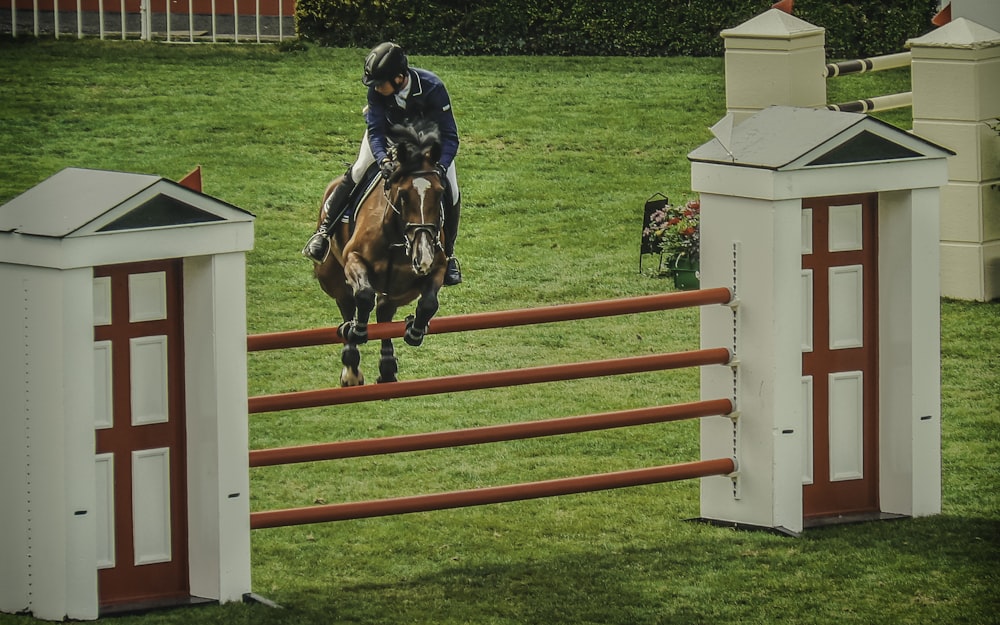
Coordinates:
(371, 180)
(362, 190)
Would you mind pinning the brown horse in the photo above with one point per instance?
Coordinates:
(392, 254)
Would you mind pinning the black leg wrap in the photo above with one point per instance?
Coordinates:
(350, 333)
(414, 334)
(388, 365)
(343, 329)
(350, 357)
(358, 336)
(387, 369)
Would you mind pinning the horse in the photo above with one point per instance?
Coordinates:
(392, 253)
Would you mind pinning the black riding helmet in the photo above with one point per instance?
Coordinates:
(384, 62)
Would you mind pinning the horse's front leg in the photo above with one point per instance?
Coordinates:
(427, 307)
(356, 273)
(387, 364)
(354, 331)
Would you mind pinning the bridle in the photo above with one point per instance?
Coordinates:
(411, 230)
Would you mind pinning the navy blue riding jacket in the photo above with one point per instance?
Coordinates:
(428, 99)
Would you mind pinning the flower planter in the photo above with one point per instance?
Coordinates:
(686, 274)
(673, 231)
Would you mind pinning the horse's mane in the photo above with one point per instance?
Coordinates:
(416, 144)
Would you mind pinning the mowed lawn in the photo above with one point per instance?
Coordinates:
(558, 157)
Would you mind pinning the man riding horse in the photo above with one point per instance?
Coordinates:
(397, 94)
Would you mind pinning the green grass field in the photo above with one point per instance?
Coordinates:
(558, 157)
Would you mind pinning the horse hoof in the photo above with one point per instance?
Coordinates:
(352, 378)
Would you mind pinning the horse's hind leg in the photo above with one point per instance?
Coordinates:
(351, 358)
(387, 365)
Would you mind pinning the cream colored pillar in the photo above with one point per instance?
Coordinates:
(956, 103)
(774, 58)
(983, 12)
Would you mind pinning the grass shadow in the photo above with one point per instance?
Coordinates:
(699, 574)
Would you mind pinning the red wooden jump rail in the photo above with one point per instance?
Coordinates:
(513, 431)
(491, 495)
(502, 319)
(489, 379)
(488, 434)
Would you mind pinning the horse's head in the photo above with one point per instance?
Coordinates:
(417, 194)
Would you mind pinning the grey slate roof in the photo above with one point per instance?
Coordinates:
(784, 137)
(73, 198)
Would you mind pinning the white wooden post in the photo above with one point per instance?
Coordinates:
(47, 548)
(910, 353)
(217, 427)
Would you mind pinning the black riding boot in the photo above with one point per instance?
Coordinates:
(319, 244)
(452, 214)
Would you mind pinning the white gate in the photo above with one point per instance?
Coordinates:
(165, 20)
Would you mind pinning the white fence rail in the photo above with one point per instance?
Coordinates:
(186, 21)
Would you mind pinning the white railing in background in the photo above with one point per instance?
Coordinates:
(156, 22)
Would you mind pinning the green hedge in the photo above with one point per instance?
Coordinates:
(860, 29)
(597, 27)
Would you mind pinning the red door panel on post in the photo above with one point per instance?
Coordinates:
(138, 338)
(840, 355)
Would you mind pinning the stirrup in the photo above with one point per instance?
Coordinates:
(323, 240)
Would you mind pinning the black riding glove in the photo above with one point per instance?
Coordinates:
(388, 166)
(443, 172)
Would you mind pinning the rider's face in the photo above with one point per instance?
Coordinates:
(388, 87)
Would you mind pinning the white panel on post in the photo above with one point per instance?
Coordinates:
(147, 296)
(846, 414)
(807, 310)
(151, 505)
(807, 231)
(149, 379)
(846, 307)
(845, 228)
(807, 428)
(103, 412)
(102, 301)
(105, 510)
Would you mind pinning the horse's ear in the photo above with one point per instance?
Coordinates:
(433, 154)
